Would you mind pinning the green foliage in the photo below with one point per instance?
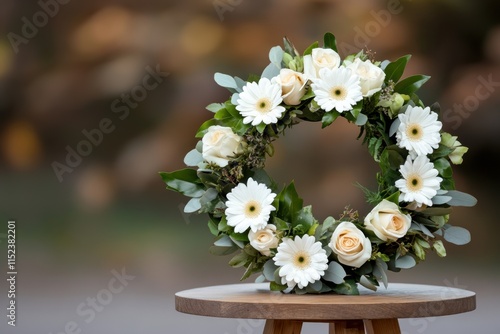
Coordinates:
(208, 184)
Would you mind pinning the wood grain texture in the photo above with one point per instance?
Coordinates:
(256, 301)
(386, 326)
(282, 327)
(347, 327)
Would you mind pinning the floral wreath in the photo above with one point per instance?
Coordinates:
(269, 228)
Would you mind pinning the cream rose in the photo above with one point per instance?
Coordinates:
(220, 144)
(372, 77)
(263, 240)
(318, 59)
(350, 244)
(387, 221)
(293, 86)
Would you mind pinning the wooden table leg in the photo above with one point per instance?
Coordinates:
(382, 326)
(347, 327)
(282, 327)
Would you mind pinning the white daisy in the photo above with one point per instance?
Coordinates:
(260, 102)
(249, 206)
(420, 182)
(302, 261)
(419, 131)
(337, 88)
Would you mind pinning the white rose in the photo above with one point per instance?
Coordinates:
(350, 244)
(263, 240)
(220, 144)
(372, 77)
(387, 221)
(293, 86)
(318, 59)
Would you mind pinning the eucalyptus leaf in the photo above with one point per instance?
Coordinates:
(224, 241)
(276, 55)
(193, 158)
(380, 271)
(271, 71)
(225, 81)
(260, 279)
(394, 127)
(273, 286)
(214, 107)
(457, 235)
(459, 198)
(366, 283)
(192, 206)
(406, 262)
(361, 119)
(438, 200)
(329, 118)
(239, 260)
(439, 248)
(269, 269)
(335, 273)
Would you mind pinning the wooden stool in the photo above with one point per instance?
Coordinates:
(375, 312)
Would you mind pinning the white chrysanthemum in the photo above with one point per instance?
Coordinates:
(249, 206)
(338, 89)
(420, 181)
(302, 261)
(260, 102)
(419, 131)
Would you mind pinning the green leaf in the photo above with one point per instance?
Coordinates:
(281, 225)
(380, 270)
(239, 260)
(394, 198)
(456, 235)
(395, 70)
(304, 217)
(261, 127)
(439, 248)
(277, 287)
(328, 118)
(356, 110)
(444, 167)
(289, 203)
(204, 127)
(308, 51)
(335, 273)
(184, 181)
(216, 250)
(330, 41)
(212, 226)
(361, 119)
(411, 84)
(347, 288)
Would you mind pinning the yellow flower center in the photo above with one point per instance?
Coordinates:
(338, 93)
(414, 132)
(414, 182)
(252, 209)
(301, 260)
(264, 105)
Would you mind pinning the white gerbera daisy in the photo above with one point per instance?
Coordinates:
(302, 261)
(420, 182)
(337, 88)
(419, 131)
(260, 102)
(249, 206)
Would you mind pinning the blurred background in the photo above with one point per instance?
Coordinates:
(97, 97)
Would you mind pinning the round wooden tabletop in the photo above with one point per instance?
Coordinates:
(256, 301)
